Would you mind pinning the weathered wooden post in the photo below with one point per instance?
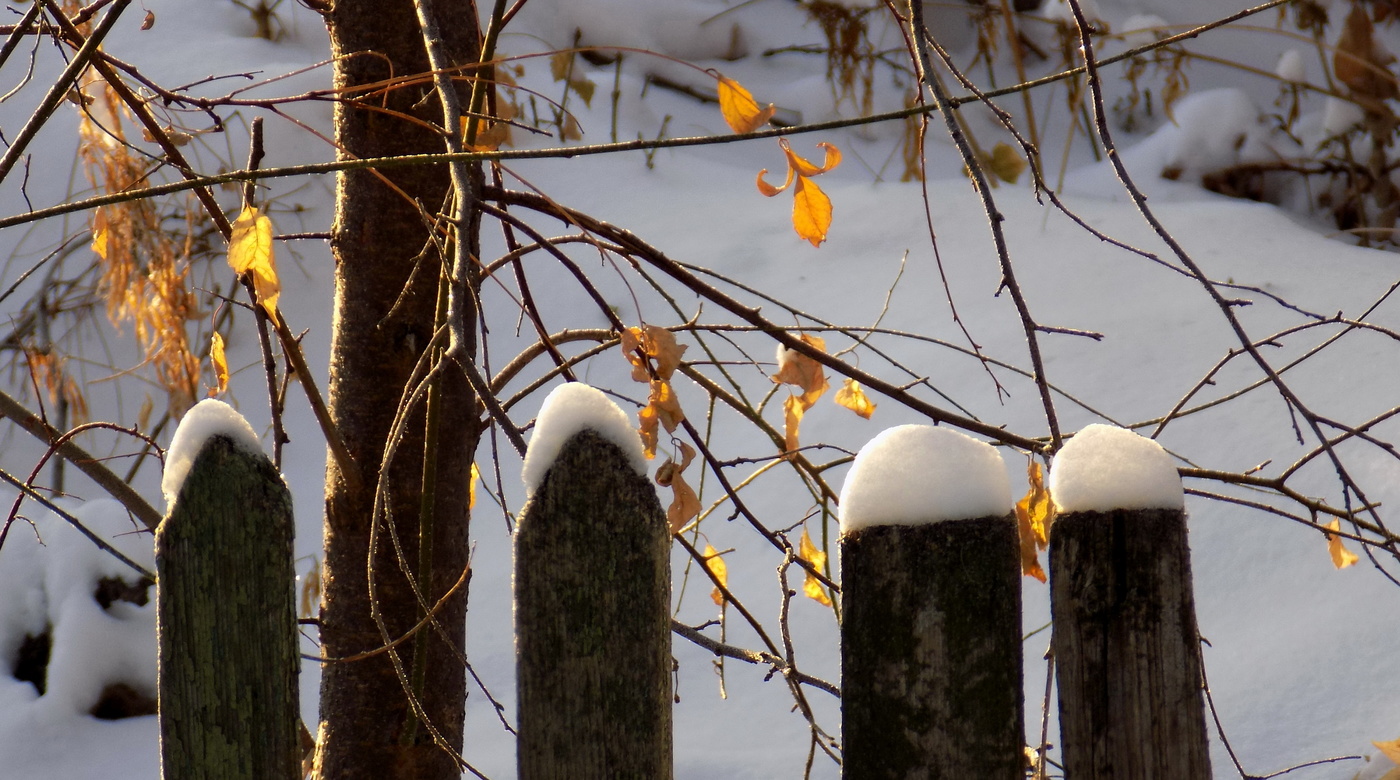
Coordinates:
(1127, 653)
(225, 607)
(592, 599)
(931, 592)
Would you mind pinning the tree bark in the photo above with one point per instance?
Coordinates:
(931, 677)
(593, 629)
(226, 616)
(386, 283)
(1127, 653)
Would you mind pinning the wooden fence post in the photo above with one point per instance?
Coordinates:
(226, 622)
(931, 663)
(1127, 653)
(592, 621)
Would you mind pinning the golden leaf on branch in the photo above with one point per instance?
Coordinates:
(852, 396)
(793, 410)
(716, 566)
(1034, 514)
(812, 587)
(220, 362)
(795, 368)
(740, 110)
(1390, 750)
(655, 343)
(662, 409)
(1341, 556)
(250, 252)
(685, 505)
(811, 208)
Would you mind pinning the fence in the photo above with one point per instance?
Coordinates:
(931, 641)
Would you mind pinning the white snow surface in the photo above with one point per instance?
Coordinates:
(921, 474)
(1278, 614)
(48, 573)
(568, 409)
(210, 417)
(1104, 467)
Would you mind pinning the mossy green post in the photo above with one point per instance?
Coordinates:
(1127, 652)
(592, 622)
(226, 617)
(931, 676)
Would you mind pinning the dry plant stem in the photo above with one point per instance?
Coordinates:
(653, 256)
(275, 398)
(921, 37)
(17, 34)
(789, 672)
(86, 463)
(582, 150)
(289, 342)
(54, 448)
(409, 634)
(75, 522)
(59, 90)
(1290, 398)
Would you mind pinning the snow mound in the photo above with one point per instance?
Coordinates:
(207, 418)
(50, 575)
(568, 409)
(1105, 467)
(919, 474)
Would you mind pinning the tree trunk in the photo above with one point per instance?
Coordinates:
(226, 613)
(385, 294)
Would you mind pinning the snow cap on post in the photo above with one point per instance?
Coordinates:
(210, 417)
(920, 474)
(1104, 467)
(568, 409)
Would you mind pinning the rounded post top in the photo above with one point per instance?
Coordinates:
(920, 474)
(1104, 467)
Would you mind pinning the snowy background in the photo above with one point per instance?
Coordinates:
(1301, 657)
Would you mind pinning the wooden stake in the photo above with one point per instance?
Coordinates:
(1127, 652)
(931, 651)
(593, 629)
(226, 622)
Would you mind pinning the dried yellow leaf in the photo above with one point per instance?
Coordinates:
(652, 342)
(99, 241)
(795, 368)
(812, 587)
(220, 362)
(1390, 750)
(662, 409)
(721, 572)
(250, 252)
(685, 505)
(811, 211)
(1034, 514)
(1005, 163)
(741, 112)
(1341, 556)
(471, 487)
(793, 410)
(311, 590)
(811, 208)
(852, 396)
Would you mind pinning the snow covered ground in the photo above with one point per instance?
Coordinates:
(1301, 658)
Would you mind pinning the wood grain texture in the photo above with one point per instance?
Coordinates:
(1126, 647)
(593, 636)
(226, 623)
(931, 651)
